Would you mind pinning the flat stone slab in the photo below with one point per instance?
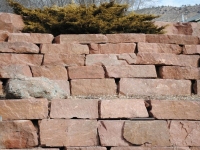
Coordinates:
(126, 38)
(86, 148)
(191, 49)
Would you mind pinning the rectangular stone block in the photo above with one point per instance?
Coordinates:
(15, 71)
(38, 148)
(131, 71)
(118, 48)
(86, 72)
(37, 38)
(86, 148)
(111, 133)
(168, 59)
(130, 86)
(69, 48)
(51, 72)
(150, 148)
(74, 108)
(104, 59)
(155, 133)
(21, 59)
(179, 109)
(159, 48)
(68, 132)
(196, 87)
(194, 148)
(93, 87)
(24, 109)
(81, 38)
(64, 60)
(126, 38)
(184, 133)
(176, 72)
(172, 39)
(191, 49)
(123, 108)
(18, 134)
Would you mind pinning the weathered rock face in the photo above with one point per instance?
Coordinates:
(153, 132)
(191, 49)
(111, 133)
(130, 58)
(11, 22)
(130, 108)
(68, 132)
(1, 89)
(167, 109)
(34, 87)
(126, 38)
(185, 133)
(3, 35)
(150, 148)
(18, 134)
(85, 148)
(74, 108)
(24, 109)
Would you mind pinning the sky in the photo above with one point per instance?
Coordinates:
(178, 3)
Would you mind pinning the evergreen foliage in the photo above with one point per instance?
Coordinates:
(77, 19)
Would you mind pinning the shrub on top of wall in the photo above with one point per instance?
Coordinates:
(77, 19)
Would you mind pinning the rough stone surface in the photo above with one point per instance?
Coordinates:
(150, 148)
(191, 49)
(38, 148)
(1, 89)
(172, 39)
(18, 47)
(194, 148)
(126, 38)
(130, 58)
(159, 48)
(11, 22)
(196, 87)
(93, 87)
(119, 48)
(74, 108)
(64, 60)
(81, 38)
(37, 38)
(86, 148)
(86, 72)
(153, 132)
(123, 108)
(15, 71)
(3, 35)
(50, 72)
(65, 49)
(17, 134)
(169, 109)
(68, 132)
(104, 59)
(111, 133)
(149, 87)
(167, 59)
(176, 72)
(94, 48)
(21, 59)
(185, 133)
(24, 109)
(131, 71)
(38, 87)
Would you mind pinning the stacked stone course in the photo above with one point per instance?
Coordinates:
(99, 92)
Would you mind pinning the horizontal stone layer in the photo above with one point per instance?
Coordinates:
(126, 38)
(86, 148)
(191, 49)
(150, 148)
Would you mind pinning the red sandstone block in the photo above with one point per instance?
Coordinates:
(159, 48)
(62, 132)
(194, 148)
(93, 87)
(179, 109)
(191, 49)
(118, 48)
(1, 89)
(24, 109)
(21, 59)
(51, 72)
(86, 72)
(64, 60)
(15, 71)
(74, 108)
(130, 58)
(196, 87)
(86, 148)
(167, 59)
(64, 85)
(123, 108)
(81, 38)
(69, 48)
(184, 133)
(150, 148)
(130, 86)
(37, 38)
(37, 148)
(176, 72)
(131, 71)
(94, 48)
(18, 134)
(172, 39)
(3, 35)
(155, 133)
(111, 133)
(126, 38)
